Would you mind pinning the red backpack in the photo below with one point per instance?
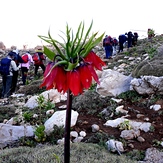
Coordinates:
(36, 58)
(108, 41)
(25, 58)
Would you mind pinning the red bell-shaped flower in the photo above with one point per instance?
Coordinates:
(94, 60)
(85, 76)
(74, 83)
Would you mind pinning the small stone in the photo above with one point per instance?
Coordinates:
(131, 145)
(85, 122)
(95, 128)
(35, 115)
(49, 112)
(77, 139)
(82, 133)
(139, 115)
(141, 139)
(146, 119)
(74, 134)
(5, 121)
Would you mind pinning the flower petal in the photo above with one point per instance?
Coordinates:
(93, 73)
(61, 79)
(95, 60)
(73, 78)
(49, 78)
(85, 76)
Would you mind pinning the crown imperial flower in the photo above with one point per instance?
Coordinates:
(73, 63)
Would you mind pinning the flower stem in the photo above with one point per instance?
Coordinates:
(67, 128)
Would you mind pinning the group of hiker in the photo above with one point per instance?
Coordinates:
(13, 62)
(111, 44)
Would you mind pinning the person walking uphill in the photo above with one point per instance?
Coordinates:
(6, 69)
(129, 39)
(17, 58)
(25, 66)
(39, 59)
(122, 39)
(107, 44)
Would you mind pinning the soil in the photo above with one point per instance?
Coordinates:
(87, 117)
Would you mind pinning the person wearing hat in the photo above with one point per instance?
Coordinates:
(7, 78)
(39, 59)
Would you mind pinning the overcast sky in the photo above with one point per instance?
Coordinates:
(23, 20)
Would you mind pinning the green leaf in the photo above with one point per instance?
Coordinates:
(46, 39)
(57, 48)
(50, 54)
(77, 40)
(68, 47)
(91, 44)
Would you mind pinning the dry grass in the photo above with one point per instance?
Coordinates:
(80, 153)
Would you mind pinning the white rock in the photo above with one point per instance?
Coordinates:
(95, 128)
(10, 133)
(113, 83)
(17, 95)
(147, 84)
(61, 141)
(139, 115)
(82, 133)
(48, 112)
(5, 121)
(131, 58)
(130, 134)
(59, 119)
(63, 106)
(155, 107)
(140, 139)
(162, 143)
(115, 122)
(120, 109)
(73, 134)
(144, 126)
(35, 115)
(78, 139)
(32, 102)
(114, 145)
(54, 96)
(116, 100)
(11, 121)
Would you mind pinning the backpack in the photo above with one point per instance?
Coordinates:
(25, 58)
(5, 66)
(36, 58)
(108, 40)
(122, 38)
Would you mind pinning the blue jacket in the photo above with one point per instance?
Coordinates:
(122, 38)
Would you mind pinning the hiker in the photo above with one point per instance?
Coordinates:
(115, 44)
(39, 59)
(129, 39)
(122, 40)
(17, 58)
(107, 44)
(135, 39)
(7, 65)
(27, 58)
(151, 33)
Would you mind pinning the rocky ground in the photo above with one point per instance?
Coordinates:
(90, 106)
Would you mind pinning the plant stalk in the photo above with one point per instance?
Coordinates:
(67, 128)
